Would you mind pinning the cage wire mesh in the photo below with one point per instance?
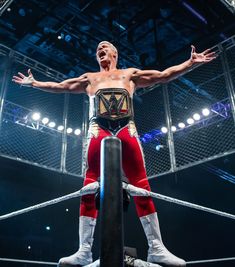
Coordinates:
(74, 153)
(3, 62)
(150, 117)
(208, 137)
(211, 135)
(230, 56)
(21, 136)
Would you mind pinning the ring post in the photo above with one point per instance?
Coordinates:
(111, 206)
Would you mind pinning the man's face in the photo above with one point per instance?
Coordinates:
(105, 53)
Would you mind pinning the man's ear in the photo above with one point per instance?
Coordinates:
(116, 56)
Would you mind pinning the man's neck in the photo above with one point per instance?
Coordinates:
(108, 67)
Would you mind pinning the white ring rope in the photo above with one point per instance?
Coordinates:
(133, 191)
(88, 189)
(55, 264)
(28, 261)
(136, 191)
(212, 260)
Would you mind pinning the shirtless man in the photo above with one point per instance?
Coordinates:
(110, 93)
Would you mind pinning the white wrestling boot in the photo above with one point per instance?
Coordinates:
(157, 252)
(84, 255)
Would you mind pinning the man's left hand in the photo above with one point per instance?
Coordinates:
(205, 56)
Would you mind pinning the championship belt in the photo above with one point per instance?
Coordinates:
(113, 104)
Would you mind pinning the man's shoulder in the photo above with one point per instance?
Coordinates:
(130, 70)
(86, 76)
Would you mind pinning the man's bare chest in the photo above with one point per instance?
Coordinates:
(102, 77)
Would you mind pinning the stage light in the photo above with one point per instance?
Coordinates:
(61, 36)
(67, 210)
(164, 130)
(45, 120)
(77, 132)
(181, 125)
(36, 116)
(158, 147)
(52, 124)
(173, 128)
(69, 130)
(29, 247)
(196, 117)
(60, 128)
(67, 38)
(48, 228)
(205, 111)
(190, 121)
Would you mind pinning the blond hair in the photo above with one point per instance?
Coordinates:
(111, 45)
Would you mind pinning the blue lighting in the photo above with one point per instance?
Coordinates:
(196, 88)
(150, 136)
(221, 173)
(67, 38)
(193, 11)
(115, 23)
(46, 30)
(22, 12)
(223, 36)
(221, 109)
(16, 113)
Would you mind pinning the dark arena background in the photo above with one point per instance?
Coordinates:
(186, 127)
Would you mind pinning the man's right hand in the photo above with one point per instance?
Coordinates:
(24, 80)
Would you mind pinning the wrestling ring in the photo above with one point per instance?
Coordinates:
(111, 187)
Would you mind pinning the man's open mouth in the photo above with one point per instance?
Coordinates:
(101, 54)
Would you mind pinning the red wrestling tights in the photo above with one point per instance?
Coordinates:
(132, 163)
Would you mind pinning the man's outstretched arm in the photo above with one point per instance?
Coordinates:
(75, 85)
(143, 78)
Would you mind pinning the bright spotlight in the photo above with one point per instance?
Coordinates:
(190, 121)
(36, 116)
(67, 38)
(181, 125)
(158, 147)
(51, 124)
(196, 117)
(69, 130)
(173, 128)
(45, 120)
(205, 111)
(60, 128)
(77, 132)
(164, 130)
